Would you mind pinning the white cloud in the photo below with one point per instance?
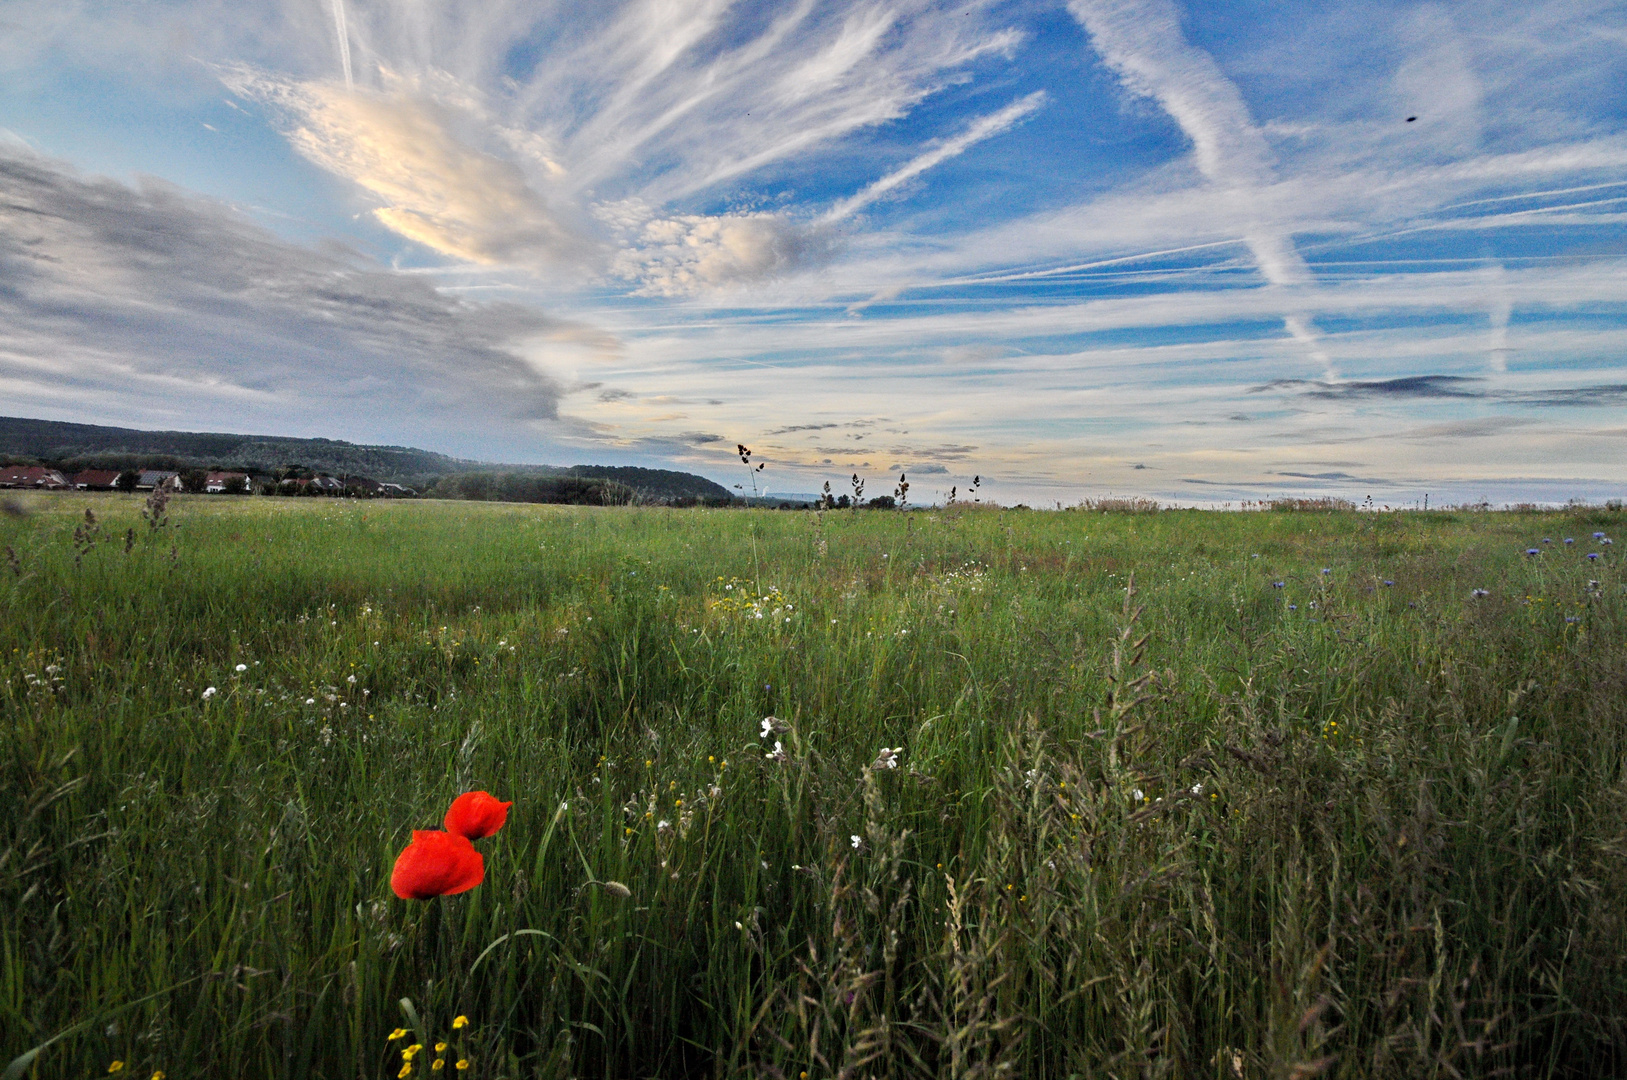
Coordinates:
(402, 146)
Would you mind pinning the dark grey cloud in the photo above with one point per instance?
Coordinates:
(925, 470)
(802, 427)
(1614, 394)
(148, 299)
(1448, 386)
(1411, 386)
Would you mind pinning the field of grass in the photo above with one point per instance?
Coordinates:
(1297, 802)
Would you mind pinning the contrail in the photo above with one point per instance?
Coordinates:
(1141, 40)
(1499, 310)
(344, 40)
(983, 128)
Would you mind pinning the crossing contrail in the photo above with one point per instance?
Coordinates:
(344, 40)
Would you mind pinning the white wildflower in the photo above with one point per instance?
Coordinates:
(209, 693)
(856, 841)
(242, 667)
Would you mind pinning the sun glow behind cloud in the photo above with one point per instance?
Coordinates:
(1118, 244)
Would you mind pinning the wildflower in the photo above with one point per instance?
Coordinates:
(778, 753)
(437, 1065)
(1480, 592)
(1137, 794)
(1293, 607)
(158, 1074)
(1570, 539)
(476, 814)
(437, 864)
(1387, 582)
(1547, 539)
(1598, 536)
(887, 758)
(412, 1051)
(117, 1066)
(856, 841)
(440, 1048)
(398, 1033)
(1327, 569)
(1197, 789)
(209, 693)
(463, 1063)
(242, 668)
(1593, 554)
(459, 1024)
(1276, 584)
(406, 1070)
(1533, 551)
(1606, 540)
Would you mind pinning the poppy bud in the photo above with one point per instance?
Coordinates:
(436, 864)
(476, 814)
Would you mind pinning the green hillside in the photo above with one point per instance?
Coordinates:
(80, 446)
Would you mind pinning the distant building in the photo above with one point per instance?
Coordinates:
(156, 478)
(327, 485)
(396, 491)
(217, 482)
(96, 480)
(32, 476)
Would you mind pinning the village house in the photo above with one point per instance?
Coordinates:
(159, 478)
(217, 483)
(32, 476)
(96, 480)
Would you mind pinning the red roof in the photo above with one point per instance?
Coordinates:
(96, 478)
(30, 476)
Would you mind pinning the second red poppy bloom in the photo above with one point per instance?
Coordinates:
(476, 814)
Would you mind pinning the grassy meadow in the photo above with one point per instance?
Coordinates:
(949, 793)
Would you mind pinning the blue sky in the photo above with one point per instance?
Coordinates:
(1202, 252)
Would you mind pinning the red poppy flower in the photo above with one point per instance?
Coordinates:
(476, 814)
(437, 864)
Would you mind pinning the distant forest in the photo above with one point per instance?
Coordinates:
(74, 447)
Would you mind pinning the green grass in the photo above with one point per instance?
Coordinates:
(1207, 828)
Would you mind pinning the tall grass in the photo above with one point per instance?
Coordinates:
(1152, 815)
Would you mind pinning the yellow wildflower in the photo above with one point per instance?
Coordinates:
(117, 1066)
(460, 1022)
(398, 1033)
(463, 1063)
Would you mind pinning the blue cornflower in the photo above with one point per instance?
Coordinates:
(1593, 554)
(1547, 539)
(1387, 581)
(1533, 551)
(1598, 536)
(1327, 570)
(1570, 539)
(1276, 584)
(1572, 618)
(1293, 607)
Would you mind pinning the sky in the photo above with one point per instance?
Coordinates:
(1204, 253)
